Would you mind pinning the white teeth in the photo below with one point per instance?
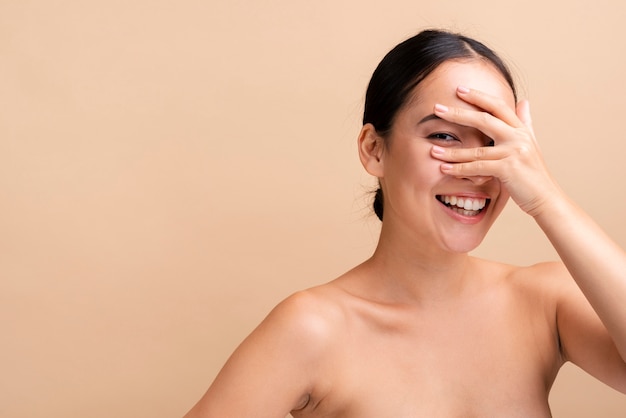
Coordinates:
(465, 203)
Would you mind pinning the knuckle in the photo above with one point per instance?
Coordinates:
(479, 153)
(523, 150)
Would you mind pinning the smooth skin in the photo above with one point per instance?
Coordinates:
(422, 329)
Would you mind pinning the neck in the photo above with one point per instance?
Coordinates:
(418, 271)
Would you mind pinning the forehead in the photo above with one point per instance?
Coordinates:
(440, 85)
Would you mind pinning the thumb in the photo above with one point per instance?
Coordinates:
(523, 112)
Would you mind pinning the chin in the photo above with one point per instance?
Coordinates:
(463, 246)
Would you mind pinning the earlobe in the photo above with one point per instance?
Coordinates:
(371, 148)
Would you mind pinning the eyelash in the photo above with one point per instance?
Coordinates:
(439, 136)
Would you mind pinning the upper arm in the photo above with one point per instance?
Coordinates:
(275, 367)
(584, 339)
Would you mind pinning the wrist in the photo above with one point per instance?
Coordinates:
(554, 211)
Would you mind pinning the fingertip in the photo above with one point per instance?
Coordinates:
(439, 108)
(446, 167)
(524, 103)
(523, 111)
(437, 150)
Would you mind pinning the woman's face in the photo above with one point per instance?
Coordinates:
(454, 213)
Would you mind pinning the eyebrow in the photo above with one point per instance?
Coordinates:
(428, 117)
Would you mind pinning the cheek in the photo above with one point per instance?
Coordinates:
(417, 170)
(503, 198)
(428, 170)
(408, 164)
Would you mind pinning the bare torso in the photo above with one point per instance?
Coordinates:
(421, 329)
(491, 351)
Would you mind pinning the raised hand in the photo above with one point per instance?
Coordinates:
(515, 159)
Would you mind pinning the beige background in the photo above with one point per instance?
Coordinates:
(170, 170)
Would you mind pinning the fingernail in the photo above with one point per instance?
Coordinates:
(446, 167)
(462, 90)
(441, 108)
(438, 150)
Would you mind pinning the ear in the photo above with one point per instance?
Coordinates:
(371, 147)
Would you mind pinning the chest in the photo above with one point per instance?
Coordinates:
(498, 360)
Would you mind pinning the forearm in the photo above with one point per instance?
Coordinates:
(595, 261)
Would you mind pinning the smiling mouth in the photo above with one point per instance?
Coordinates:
(466, 206)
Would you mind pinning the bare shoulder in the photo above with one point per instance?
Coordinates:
(548, 270)
(538, 289)
(312, 316)
(545, 277)
(544, 284)
(305, 327)
(280, 365)
(299, 332)
(549, 279)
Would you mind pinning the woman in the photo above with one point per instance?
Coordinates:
(422, 329)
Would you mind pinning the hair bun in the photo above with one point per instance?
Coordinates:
(378, 203)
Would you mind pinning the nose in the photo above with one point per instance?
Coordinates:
(479, 180)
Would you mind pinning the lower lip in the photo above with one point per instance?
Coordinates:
(469, 220)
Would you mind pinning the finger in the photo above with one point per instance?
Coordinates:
(497, 106)
(488, 124)
(483, 168)
(460, 155)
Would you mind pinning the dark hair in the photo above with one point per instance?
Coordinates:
(405, 66)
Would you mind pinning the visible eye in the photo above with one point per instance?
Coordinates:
(442, 136)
